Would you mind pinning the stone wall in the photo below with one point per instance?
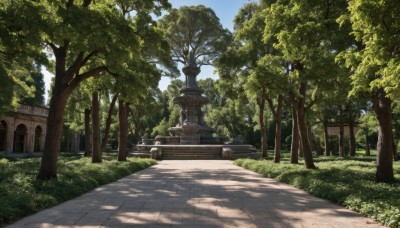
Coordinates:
(334, 129)
(26, 126)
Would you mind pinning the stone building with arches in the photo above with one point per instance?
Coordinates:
(24, 130)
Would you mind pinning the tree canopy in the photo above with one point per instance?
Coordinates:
(196, 30)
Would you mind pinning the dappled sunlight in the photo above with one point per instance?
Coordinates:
(108, 207)
(191, 194)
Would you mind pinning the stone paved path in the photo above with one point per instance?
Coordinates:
(196, 194)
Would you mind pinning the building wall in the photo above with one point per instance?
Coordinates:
(31, 117)
(335, 130)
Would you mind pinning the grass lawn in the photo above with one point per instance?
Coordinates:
(362, 152)
(348, 181)
(22, 194)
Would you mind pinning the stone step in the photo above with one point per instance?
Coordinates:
(198, 152)
(197, 148)
(191, 157)
(193, 153)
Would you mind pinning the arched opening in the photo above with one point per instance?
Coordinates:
(3, 135)
(20, 138)
(38, 137)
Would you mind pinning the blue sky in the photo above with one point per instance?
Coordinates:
(225, 10)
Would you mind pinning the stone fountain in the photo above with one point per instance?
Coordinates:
(191, 128)
(191, 138)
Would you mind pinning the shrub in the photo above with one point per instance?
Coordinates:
(348, 182)
(22, 194)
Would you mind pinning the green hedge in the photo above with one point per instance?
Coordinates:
(22, 194)
(348, 182)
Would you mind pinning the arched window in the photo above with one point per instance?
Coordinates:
(38, 136)
(3, 135)
(20, 138)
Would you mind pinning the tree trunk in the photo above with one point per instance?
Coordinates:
(55, 120)
(136, 124)
(382, 107)
(294, 156)
(308, 159)
(64, 85)
(310, 137)
(395, 155)
(96, 152)
(108, 123)
(88, 135)
(318, 147)
(326, 138)
(75, 142)
(263, 129)
(367, 149)
(341, 133)
(351, 129)
(301, 148)
(67, 145)
(276, 113)
(278, 133)
(123, 130)
(136, 132)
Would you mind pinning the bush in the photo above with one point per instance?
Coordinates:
(22, 194)
(348, 182)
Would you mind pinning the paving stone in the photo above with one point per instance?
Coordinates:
(196, 194)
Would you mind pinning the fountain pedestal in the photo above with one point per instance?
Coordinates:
(191, 138)
(190, 134)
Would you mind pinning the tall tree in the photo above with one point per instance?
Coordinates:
(108, 121)
(123, 130)
(295, 144)
(243, 56)
(341, 132)
(73, 32)
(88, 132)
(352, 137)
(374, 62)
(96, 151)
(229, 114)
(196, 30)
(307, 42)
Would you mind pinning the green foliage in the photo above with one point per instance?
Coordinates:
(19, 54)
(161, 128)
(22, 194)
(375, 24)
(348, 182)
(362, 152)
(171, 111)
(146, 112)
(36, 82)
(6, 88)
(196, 30)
